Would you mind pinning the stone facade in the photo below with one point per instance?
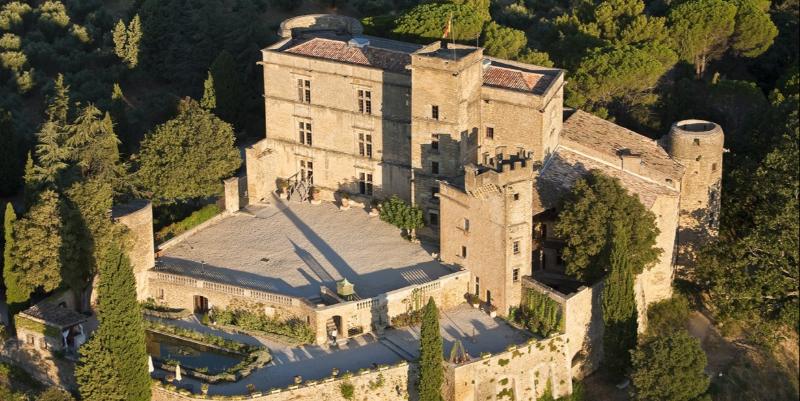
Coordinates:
(137, 216)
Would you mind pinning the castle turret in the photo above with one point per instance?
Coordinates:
(698, 146)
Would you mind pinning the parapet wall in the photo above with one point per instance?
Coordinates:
(386, 383)
(316, 22)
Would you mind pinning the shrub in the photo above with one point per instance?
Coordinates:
(397, 212)
(540, 314)
(258, 321)
(194, 219)
(348, 390)
(410, 318)
(667, 316)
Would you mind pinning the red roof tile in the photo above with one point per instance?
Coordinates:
(342, 51)
(515, 79)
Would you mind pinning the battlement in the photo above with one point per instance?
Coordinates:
(502, 171)
(446, 56)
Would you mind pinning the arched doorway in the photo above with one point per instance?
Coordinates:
(334, 328)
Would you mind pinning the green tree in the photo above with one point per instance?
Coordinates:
(126, 41)
(13, 293)
(619, 77)
(209, 100)
(670, 368)
(97, 380)
(119, 340)
(36, 250)
(55, 394)
(427, 22)
(11, 156)
(619, 305)
(535, 57)
(595, 204)
(187, 157)
(754, 31)
(228, 88)
(431, 373)
(503, 42)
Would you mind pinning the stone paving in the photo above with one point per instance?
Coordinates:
(294, 248)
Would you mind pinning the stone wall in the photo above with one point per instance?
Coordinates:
(178, 291)
(137, 216)
(388, 383)
(523, 372)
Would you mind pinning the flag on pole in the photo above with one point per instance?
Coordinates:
(447, 28)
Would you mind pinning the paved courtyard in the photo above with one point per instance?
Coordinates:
(475, 329)
(294, 248)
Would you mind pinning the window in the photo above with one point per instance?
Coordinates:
(364, 101)
(515, 275)
(515, 247)
(477, 286)
(433, 218)
(463, 252)
(160, 293)
(29, 339)
(713, 166)
(489, 132)
(434, 193)
(434, 167)
(304, 129)
(435, 145)
(516, 197)
(697, 141)
(435, 112)
(365, 145)
(303, 90)
(466, 225)
(307, 170)
(42, 343)
(365, 183)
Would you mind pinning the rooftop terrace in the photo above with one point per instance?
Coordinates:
(294, 248)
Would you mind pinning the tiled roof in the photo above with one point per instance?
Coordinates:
(516, 79)
(339, 50)
(54, 315)
(566, 166)
(606, 140)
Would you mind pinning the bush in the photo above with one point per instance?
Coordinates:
(667, 316)
(397, 212)
(292, 328)
(348, 390)
(411, 318)
(194, 219)
(540, 314)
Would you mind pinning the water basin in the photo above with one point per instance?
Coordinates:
(190, 354)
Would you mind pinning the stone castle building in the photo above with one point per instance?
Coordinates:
(482, 145)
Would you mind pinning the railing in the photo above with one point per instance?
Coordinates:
(229, 289)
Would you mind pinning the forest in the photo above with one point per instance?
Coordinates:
(93, 92)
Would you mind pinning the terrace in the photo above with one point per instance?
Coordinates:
(295, 249)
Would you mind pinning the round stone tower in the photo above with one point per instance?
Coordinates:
(698, 146)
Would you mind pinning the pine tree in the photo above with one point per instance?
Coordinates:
(209, 100)
(126, 41)
(431, 374)
(36, 250)
(619, 305)
(119, 342)
(120, 37)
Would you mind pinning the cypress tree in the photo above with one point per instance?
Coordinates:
(8, 258)
(431, 374)
(97, 380)
(209, 100)
(228, 87)
(619, 305)
(120, 338)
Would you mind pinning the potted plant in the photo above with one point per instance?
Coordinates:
(315, 197)
(374, 204)
(204, 388)
(473, 300)
(283, 185)
(344, 198)
(298, 379)
(492, 310)
(335, 372)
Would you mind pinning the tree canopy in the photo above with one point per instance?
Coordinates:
(670, 368)
(188, 156)
(503, 42)
(595, 205)
(431, 373)
(427, 22)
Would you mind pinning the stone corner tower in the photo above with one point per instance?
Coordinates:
(137, 216)
(698, 146)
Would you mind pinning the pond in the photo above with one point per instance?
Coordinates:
(190, 354)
